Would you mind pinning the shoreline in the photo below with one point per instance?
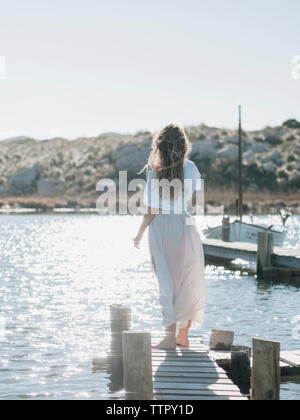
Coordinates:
(216, 202)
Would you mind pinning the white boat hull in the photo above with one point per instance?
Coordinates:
(244, 232)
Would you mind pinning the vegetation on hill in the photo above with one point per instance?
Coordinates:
(70, 169)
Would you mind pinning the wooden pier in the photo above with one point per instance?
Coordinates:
(277, 261)
(222, 371)
(191, 374)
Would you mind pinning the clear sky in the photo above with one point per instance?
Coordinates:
(83, 67)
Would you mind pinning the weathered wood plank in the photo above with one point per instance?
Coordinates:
(191, 349)
(180, 356)
(198, 398)
(203, 380)
(191, 392)
(188, 386)
(291, 358)
(168, 363)
(196, 375)
(188, 369)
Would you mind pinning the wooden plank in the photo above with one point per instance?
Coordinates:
(191, 392)
(201, 349)
(184, 364)
(167, 360)
(182, 350)
(199, 398)
(187, 386)
(179, 379)
(173, 357)
(188, 369)
(181, 356)
(291, 358)
(196, 375)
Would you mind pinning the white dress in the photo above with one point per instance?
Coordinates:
(177, 253)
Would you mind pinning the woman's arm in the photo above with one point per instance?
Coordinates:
(147, 219)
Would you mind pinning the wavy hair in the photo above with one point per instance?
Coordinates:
(170, 148)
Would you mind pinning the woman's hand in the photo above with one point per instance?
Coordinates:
(137, 241)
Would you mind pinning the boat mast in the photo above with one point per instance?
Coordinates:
(240, 166)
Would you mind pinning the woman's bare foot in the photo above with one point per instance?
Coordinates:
(182, 338)
(168, 343)
(182, 342)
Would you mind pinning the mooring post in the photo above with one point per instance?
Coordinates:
(240, 370)
(225, 229)
(265, 244)
(221, 340)
(120, 319)
(266, 370)
(137, 356)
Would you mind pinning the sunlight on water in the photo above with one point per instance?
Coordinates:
(59, 274)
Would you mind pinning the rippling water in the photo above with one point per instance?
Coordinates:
(58, 276)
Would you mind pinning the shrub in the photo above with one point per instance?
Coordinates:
(292, 123)
(291, 158)
(273, 139)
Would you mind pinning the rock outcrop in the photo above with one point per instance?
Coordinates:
(131, 157)
(25, 181)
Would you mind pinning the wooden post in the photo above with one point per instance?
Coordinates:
(137, 356)
(120, 317)
(265, 243)
(226, 229)
(240, 370)
(120, 320)
(266, 370)
(221, 340)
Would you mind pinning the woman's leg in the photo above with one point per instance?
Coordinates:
(169, 342)
(182, 338)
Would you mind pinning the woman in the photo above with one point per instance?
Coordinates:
(174, 242)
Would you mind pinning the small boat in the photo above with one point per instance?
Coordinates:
(245, 232)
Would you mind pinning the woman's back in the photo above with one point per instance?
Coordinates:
(162, 201)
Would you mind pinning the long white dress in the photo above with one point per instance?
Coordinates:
(177, 255)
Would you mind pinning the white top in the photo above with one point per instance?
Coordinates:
(192, 182)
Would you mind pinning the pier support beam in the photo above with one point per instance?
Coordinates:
(137, 356)
(120, 320)
(265, 244)
(266, 370)
(226, 229)
(240, 370)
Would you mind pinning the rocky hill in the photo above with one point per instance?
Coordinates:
(71, 169)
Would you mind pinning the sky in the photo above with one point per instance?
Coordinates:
(83, 67)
